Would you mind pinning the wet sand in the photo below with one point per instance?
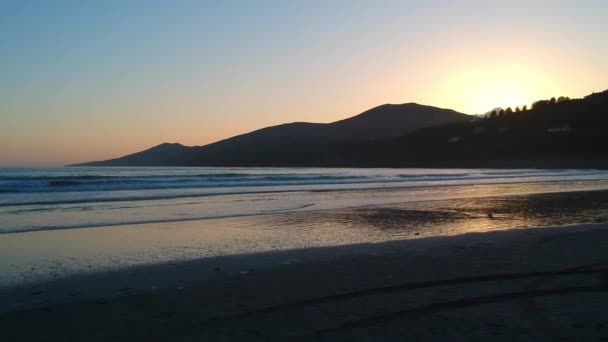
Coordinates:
(536, 284)
(548, 283)
(50, 256)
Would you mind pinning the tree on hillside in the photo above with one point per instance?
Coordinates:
(540, 104)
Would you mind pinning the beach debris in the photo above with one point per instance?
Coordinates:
(416, 233)
(490, 215)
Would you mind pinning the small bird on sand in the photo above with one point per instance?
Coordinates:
(490, 216)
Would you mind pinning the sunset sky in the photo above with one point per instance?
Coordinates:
(89, 80)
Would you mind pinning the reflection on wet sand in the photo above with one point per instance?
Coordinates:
(459, 216)
(45, 255)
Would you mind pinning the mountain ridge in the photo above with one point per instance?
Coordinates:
(381, 122)
(555, 133)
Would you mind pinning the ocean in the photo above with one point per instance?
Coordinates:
(60, 223)
(35, 199)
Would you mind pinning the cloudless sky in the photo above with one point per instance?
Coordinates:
(89, 80)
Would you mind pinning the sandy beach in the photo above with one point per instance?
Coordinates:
(510, 267)
(521, 284)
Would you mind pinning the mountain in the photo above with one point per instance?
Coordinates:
(552, 134)
(562, 133)
(379, 123)
(556, 133)
(163, 154)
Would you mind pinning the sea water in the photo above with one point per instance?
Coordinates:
(33, 199)
(59, 222)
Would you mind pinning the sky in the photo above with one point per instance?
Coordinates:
(90, 80)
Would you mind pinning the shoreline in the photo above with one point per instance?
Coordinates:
(41, 258)
(374, 272)
(538, 188)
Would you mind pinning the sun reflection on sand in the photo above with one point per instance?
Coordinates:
(34, 256)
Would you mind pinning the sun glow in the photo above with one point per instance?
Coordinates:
(479, 89)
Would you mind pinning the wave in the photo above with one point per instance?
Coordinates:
(64, 183)
(100, 183)
(152, 196)
(134, 198)
(117, 177)
(113, 183)
(63, 186)
(202, 215)
(124, 223)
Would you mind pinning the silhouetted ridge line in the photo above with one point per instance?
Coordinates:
(382, 122)
(555, 133)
